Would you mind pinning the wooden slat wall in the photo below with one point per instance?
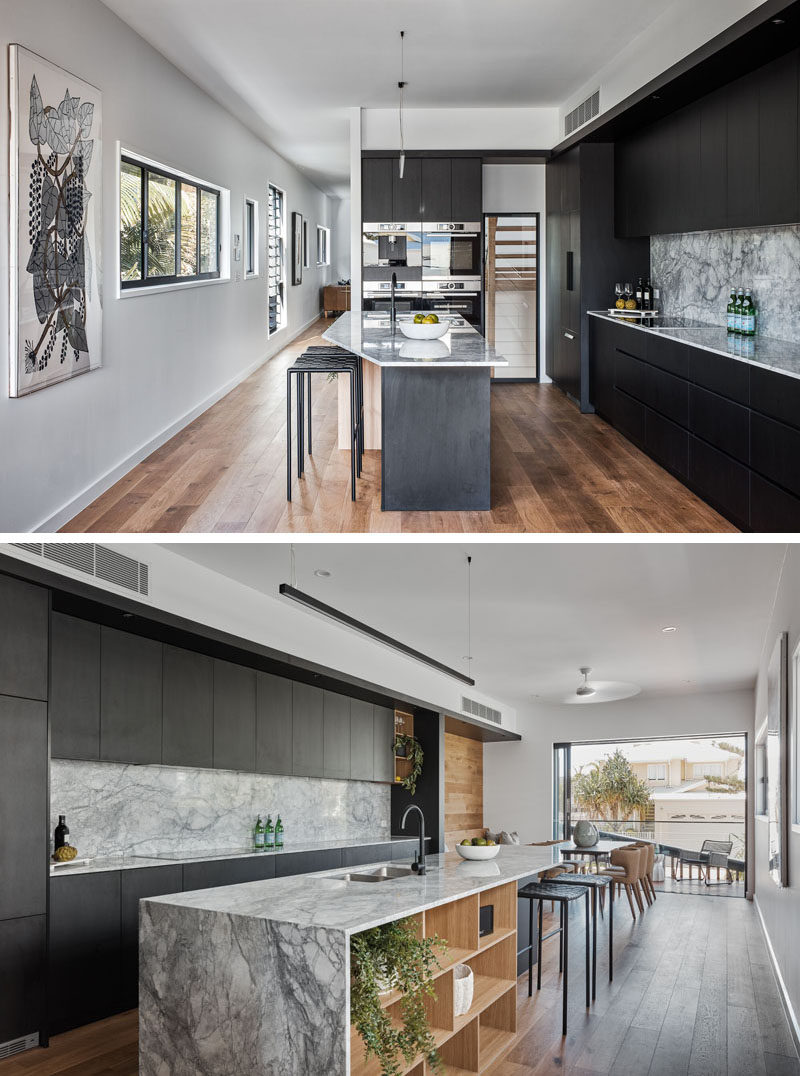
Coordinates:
(463, 788)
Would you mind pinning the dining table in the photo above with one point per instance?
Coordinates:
(602, 848)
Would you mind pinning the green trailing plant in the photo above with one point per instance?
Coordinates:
(393, 955)
(414, 755)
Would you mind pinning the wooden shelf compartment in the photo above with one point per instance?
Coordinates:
(440, 1010)
(497, 1028)
(460, 1053)
(504, 899)
(457, 923)
(403, 726)
(497, 961)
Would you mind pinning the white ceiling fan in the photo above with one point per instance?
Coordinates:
(593, 691)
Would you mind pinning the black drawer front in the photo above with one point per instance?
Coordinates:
(326, 859)
(720, 480)
(668, 355)
(219, 872)
(720, 374)
(629, 338)
(771, 508)
(405, 849)
(630, 376)
(629, 417)
(667, 395)
(776, 395)
(367, 853)
(724, 424)
(775, 452)
(667, 443)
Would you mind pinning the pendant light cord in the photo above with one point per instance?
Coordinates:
(469, 614)
(401, 86)
(292, 568)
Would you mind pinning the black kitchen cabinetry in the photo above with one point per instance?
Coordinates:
(336, 735)
(323, 859)
(217, 872)
(362, 740)
(84, 972)
(383, 744)
(234, 717)
(467, 189)
(74, 688)
(130, 698)
(437, 193)
(584, 259)
(729, 160)
(23, 945)
(407, 192)
(135, 885)
(432, 189)
(729, 430)
(188, 730)
(273, 724)
(376, 189)
(307, 731)
(364, 853)
(24, 611)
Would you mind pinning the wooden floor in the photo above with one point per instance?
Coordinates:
(693, 995)
(553, 470)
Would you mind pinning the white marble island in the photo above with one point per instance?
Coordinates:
(254, 978)
(427, 408)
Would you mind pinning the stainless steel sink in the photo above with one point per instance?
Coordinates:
(379, 874)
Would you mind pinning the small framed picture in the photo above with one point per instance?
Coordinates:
(297, 248)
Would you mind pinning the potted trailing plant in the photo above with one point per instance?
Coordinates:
(392, 956)
(408, 748)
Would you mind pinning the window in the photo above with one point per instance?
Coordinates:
(762, 791)
(795, 733)
(306, 262)
(276, 258)
(169, 227)
(250, 238)
(323, 245)
(707, 769)
(656, 771)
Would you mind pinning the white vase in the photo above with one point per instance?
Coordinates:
(463, 986)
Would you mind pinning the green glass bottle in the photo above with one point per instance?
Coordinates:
(738, 312)
(258, 835)
(748, 315)
(269, 833)
(732, 313)
(279, 833)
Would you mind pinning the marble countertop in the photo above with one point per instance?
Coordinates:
(324, 900)
(371, 337)
(782, 356)
(164, 859)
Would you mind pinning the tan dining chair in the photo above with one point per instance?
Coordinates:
(647, 874)
(625, 871)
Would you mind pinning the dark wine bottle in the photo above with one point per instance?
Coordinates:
(61, 833)
(640, 294)
(648, 296)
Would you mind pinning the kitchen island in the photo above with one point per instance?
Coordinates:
(255, 978)
(427, 407)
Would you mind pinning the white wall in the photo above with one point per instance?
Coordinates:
(520, 188)
(517, 777)
(461, 128)
(340, 260)
(683, 27)
(165, 356)
(780, 908)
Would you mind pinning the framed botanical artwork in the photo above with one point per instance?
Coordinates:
(55, 233)
(775, 760)
(297, 248)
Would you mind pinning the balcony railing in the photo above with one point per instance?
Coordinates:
(672, 836)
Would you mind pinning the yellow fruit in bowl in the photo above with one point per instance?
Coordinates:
(65, 853)
(431, 319)
(419, 319)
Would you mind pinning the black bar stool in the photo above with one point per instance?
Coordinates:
(340, 353)
(562, 895)
(302, 368)
(597, 883)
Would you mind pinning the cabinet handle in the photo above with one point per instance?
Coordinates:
(569, 336)
(570, 270)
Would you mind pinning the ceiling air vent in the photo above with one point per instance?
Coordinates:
(586, 110)
(96, 560)
(16, 1046)
(477, 709)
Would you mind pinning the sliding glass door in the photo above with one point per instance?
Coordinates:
(562, 791)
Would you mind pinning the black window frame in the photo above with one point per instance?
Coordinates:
(146, 170)
(281, 313)
(250, 243)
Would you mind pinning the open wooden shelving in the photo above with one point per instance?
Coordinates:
(403, 726)
(470, 1043)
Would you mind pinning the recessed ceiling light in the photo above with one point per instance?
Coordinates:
(778, 22)
(322, 573)
(466, 657)
(669, 629)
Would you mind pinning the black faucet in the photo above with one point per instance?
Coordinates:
(419, 863)
(393, 313)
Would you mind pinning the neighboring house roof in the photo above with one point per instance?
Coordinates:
(690, 750)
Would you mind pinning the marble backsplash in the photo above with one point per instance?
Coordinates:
(116, 809)
(697, 271)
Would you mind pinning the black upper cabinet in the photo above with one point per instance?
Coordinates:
(376, 189)
(685, 196)
(336, 735)
(23, 945)
(23, 807)
(383, 744)
(234, 717)
(743, 154)
(712, 182)
(467, 189)
(437, 200)
(74, 688)
(362, 734)
(307, 731)
(130, 697)
(407, 192)
(778, 197)
(188, 734)
(136, 885)
(23, 639)
(273, 724)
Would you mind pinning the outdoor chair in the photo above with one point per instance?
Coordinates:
(712, 854)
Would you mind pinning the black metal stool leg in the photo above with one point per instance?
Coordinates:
(611, 934)
(288, 435)
(353, 438)
(595, 901)
(300, 425)
(561, 938)
(309, 414)
(565, 936)
(530, 947)
(539, 952)
(588, 958)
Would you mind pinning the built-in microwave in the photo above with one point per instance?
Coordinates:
(462, 297)
(407, 296)
(451, 250)
(392, 246)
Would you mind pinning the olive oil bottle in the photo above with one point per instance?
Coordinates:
(279, 833)
(269, 833)
(258, 835)
(732, 314)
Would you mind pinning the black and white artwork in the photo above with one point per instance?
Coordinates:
(56, 224)
(297, 248)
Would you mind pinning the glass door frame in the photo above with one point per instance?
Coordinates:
(539, 248)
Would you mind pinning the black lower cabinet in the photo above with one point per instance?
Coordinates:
(207, 875)
(775, 452)
(324, 859)
(667, 443)
(772, 508)
(23, 947)
(523, 926)
(84, 959)
(366, 853)
(721, 481)
(136, 885)
(404, 849)
(720, 422)
(629, 417)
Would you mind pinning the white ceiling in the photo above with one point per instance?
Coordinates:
(291, 68)
(539, 611)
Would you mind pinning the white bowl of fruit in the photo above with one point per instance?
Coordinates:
(424, 327)
(477, 848)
